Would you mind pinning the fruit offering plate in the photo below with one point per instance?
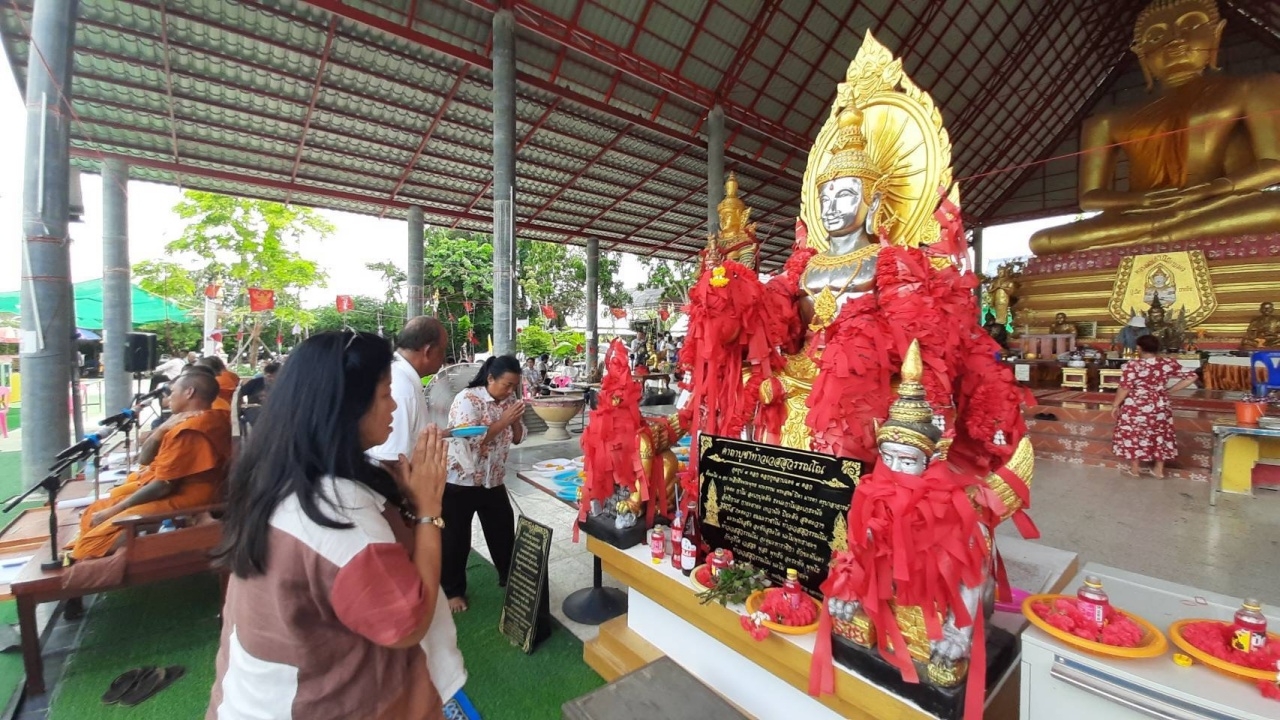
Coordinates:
(1153, 642)
(1225, 666)
(757, 598)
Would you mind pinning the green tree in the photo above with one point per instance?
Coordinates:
(535, 340)
(364, 317)
(673, 277)
(556, 274)
(175, 338)
(393, 277)
(458, 269)
(239, 243)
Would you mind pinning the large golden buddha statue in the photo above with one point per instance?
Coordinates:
(736, 239)
(1201, 154)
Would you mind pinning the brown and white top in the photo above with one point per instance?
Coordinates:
(308, 639)
(471, 462)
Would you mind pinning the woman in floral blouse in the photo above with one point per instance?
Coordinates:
(1143, 411)
(476, 469)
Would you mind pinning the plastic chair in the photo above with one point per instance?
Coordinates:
(1264, 372)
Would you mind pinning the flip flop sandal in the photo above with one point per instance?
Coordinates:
(164, 677)
(142, 687)
(123, 683)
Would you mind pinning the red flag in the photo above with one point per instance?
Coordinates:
(216, 336)
(471, 337)
(279, 339)
(618, 312)
(240, 336)
(345, 304)
(467, 305)
(548, 312)
(260, 299)
(452, 318)
(579, 348)
(664, 314)
(211, 291)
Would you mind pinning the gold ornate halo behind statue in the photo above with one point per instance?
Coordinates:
(904, 137)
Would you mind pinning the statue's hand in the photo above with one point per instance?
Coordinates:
(1193, 195)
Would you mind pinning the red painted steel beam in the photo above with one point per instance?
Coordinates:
(546, 115)
(552, 27)
(477, 60)
(578, 175)
(431, 129)
(315, 95)
(763, 18)
(658, 217)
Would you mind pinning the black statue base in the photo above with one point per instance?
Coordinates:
(602, 528)
(945, 703)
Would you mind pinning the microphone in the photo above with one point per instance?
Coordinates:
(90, 442)
(158, 391)
(120, 418)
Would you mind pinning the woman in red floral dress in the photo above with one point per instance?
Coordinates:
(1143, 411)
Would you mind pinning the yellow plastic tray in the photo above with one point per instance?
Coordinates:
(753, 604)
(1240, 671)
(1153, 641)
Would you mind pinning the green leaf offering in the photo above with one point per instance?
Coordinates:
(734, 584)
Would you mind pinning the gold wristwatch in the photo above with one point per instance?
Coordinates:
(428, 520)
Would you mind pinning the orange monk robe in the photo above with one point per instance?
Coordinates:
(194, 456)
(227, 384)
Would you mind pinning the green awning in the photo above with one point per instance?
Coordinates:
(147, 308)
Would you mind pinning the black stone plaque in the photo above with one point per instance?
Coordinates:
(526, 614)
(775, 507)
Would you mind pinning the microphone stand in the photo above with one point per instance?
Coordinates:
(52, 484)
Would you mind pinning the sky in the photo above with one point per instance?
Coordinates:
(359, 239)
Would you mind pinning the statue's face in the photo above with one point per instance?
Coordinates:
(903, 458)
(1156, 315)
(843, 210)
(1159, 280)
(728, 219)
(1060, 318)
(1176, 40)
(1265, 308)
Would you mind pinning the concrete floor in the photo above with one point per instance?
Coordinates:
(1162, 528)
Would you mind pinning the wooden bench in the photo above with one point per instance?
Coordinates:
(150, 557)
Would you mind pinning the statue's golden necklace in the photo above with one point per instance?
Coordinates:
(825, 306)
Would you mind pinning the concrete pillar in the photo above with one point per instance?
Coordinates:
(593, 303)
(117, 297)
(504, 181)
(715, 166)
(416, 238)
(48, 320)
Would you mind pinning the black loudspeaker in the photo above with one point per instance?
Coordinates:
(140, 352)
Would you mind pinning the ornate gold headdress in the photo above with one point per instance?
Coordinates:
(849, 157)
(910, 417)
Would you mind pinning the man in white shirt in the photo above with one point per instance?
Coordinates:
(420, 349)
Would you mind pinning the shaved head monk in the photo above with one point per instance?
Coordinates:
(185, 465)
(228, 381)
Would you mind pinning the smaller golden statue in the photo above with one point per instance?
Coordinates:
(1263, 331)
(1003, 288)
(1061, 326)
(737, 237)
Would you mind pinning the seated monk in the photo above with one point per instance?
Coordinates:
(228, 382)
(185, 464)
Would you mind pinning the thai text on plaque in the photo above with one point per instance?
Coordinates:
(775, 507)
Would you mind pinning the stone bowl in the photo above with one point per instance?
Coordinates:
(556, 412)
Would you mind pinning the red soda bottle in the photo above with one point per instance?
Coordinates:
(677, 535)
(1092, 601)
(1249, 633)
(792, 590)
(657, 545)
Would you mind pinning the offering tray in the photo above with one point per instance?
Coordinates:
(704, 570)
(1153, 641)
(1230, 668)
(755, 599)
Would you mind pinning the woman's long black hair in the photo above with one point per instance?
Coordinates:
(493, 368)
(309, 430)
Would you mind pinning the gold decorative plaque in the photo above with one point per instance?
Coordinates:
(1179, 279)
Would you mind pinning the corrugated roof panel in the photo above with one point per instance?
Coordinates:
(605, 24)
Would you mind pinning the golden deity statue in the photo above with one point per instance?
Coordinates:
(1061, 326)
(737, 237)
(1002, 289)
(1263, 331)
(1201, 154)
(872, 176)
(1171, 332)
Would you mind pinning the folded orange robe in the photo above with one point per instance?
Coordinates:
(193, 457)
(227, 384)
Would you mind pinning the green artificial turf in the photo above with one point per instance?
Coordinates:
(175, 623)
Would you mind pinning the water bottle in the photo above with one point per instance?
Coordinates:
(1249, 632)
(1092, 601)
(167, 526)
